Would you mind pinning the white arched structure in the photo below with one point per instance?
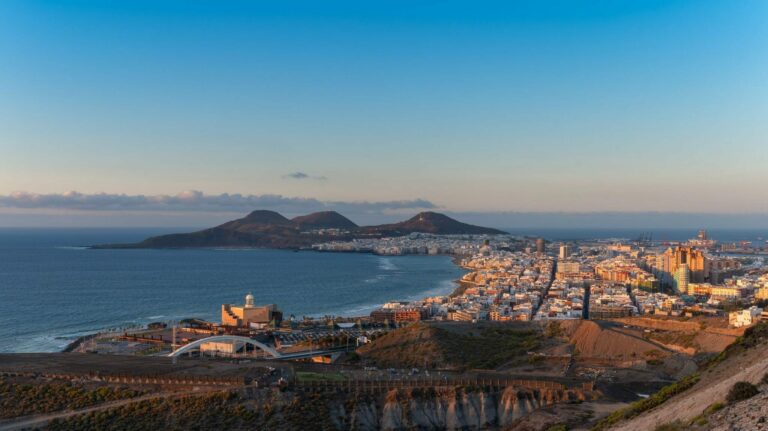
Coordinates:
(195, 345)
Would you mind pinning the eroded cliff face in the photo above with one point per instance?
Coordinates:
(451, 409)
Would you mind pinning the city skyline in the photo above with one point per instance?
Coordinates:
(386, 109)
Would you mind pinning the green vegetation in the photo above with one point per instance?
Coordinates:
(490, 349)
(329, 341)
(27, 399)
(451, 346)
(712, 408)
(558, 427)
(308, 376)
(350, 358)
(703, 418)
(654, 400)
(209, 412)
(206, 412)
(673, 426)
(554, 329)
(700, 420)
(751, 338)
(741, 391)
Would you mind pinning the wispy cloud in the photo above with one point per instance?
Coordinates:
(304, 176)
(194, 200)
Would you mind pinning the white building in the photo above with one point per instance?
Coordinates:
(746, 317)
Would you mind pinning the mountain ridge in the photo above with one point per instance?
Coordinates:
(324, 220)
(270, 229)
(437, 223)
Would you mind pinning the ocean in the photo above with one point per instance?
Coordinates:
(52, 289)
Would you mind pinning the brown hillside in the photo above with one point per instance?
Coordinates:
(436, 223)
(262, 217)
(744, 360)
(324, 220)
(699, 335)
(271, 230)
(601, 340)
(453, 345)
(411, 346)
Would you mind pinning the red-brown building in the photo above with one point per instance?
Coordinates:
(396, 315)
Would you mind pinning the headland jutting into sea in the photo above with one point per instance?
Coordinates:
(510, 278)
(545, 325)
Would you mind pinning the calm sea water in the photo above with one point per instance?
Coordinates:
(52, 290)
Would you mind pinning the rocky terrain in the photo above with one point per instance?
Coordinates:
(751, 414)
(450, 409)
(413, 409)
(268, 229)
(703, 404)
(514, 376)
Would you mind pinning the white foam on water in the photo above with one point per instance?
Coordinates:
(386, 264)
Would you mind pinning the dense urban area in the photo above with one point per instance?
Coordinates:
(548, 335)
(522, 279)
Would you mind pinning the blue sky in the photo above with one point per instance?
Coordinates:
(522, 106)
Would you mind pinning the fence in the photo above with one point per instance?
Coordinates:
(386, 385)
(164, 380)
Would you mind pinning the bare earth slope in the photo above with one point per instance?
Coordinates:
(604, 340)
(740, 364)
(698, 335)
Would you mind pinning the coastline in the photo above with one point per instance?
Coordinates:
(79, 341)
(462, 285)
(457, 288)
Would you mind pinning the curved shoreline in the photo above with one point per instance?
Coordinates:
(72, 346)
(434, 288)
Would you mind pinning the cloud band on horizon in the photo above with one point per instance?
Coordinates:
(195, 200)
(304, 176)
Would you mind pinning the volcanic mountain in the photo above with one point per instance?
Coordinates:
(324, 220)
(269, 229)
(264, 217)
(435, 223)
